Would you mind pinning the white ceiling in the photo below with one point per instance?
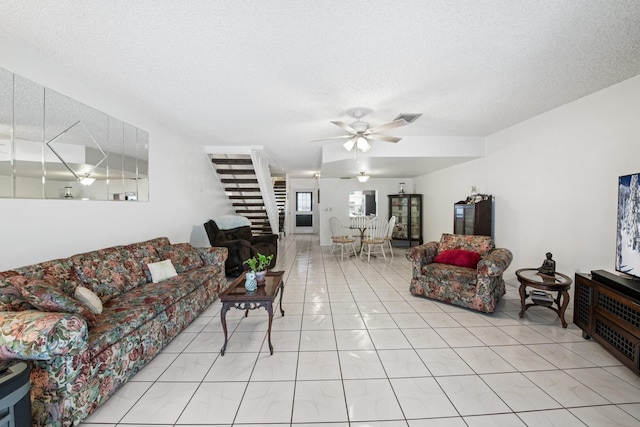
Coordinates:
(274, 73)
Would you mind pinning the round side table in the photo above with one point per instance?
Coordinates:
(559, 283)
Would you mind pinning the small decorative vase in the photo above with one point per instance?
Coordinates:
(250, 283)
(260, 275)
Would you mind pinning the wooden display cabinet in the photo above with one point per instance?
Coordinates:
(407, 209)
(473, 218)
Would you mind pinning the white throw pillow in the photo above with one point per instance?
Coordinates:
(89, 299)
(161, 270)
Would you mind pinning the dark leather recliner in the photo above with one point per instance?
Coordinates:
(242, 245)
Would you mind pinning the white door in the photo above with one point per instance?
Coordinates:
(303, 216)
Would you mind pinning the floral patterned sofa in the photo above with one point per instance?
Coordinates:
(478, 288)
(79, 358)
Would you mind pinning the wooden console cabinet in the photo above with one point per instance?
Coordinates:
(610, 317)
(473, 217)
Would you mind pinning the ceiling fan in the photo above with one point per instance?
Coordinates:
(359, 132)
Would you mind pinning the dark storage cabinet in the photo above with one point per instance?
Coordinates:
(610, 317)
(407, 208)
(473, 217)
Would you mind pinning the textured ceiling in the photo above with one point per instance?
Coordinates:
(274, 73)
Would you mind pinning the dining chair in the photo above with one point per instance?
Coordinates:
(389, 237)
(374, 237)
(359, 225)
(340, 238)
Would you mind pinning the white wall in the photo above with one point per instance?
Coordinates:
(554, 179)
(184, 190)
(334, 199)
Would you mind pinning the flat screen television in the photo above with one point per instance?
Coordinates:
(628, 233)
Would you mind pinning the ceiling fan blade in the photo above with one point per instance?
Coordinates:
(385, 138)
(349, 144)
(333, 137)
(386, 126)
(345, 127)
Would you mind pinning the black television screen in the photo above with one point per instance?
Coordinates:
(628, 233)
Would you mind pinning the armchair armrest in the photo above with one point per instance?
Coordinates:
(213, 255)
(422, 255)
(495, 263)
(40, 335)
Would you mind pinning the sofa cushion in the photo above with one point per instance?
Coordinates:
(59, 272)
(124, 314)
(134, 271)
(45, 297)
(10, 297)
(182, 255)
(103, 271)
(459, 257)
(145, 253)
(480, 244)
(446, 274)
(119, 318)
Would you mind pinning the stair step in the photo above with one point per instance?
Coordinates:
(262, 212)
(236, 171)
(245, 197)
(242, 189)
(248, 204)
(239, 181)
(226, 161)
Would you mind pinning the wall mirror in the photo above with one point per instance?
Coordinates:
(54, 147)
(363, 203)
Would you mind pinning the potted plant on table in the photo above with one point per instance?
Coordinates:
(258, 266)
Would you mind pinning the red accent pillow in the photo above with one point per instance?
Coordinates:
(459, 257)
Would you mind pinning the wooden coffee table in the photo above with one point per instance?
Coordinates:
(558, 283)
(238, 297)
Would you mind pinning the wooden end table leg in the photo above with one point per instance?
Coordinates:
(523, 297)
(281, 292)
(269, 307)
(223, 319)
(565, 303)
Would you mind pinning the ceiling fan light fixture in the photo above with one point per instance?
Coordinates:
(87, 180)
(362, 177)
(362, 144)
(349, 144)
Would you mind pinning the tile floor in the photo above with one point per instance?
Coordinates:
(355, 348)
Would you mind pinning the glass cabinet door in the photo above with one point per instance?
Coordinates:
(416, 224)
(399, 208)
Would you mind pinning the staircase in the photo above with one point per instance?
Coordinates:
(238, 177)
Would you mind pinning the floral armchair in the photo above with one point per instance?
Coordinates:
(460, 269)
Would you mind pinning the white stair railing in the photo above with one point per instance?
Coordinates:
(261, 167)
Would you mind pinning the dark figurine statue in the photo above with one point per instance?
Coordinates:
(548, 266)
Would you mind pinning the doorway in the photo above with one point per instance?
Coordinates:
(303, 212)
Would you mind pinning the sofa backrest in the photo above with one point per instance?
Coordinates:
(480, 244)
(59, 273)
